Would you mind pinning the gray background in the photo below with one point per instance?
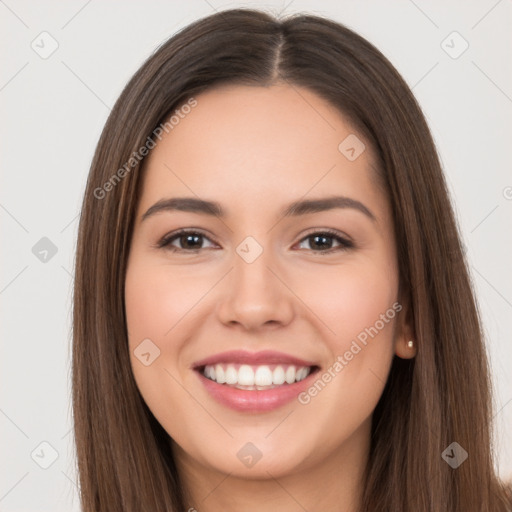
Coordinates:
(54, 108)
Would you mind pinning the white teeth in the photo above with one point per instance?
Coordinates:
(261, 376)
(301, 374)
(290, 375)
(278, 376)
(231, 375)
(220, 375)
(246, 375)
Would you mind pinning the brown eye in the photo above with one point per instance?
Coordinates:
(323, 241)
(184, 241)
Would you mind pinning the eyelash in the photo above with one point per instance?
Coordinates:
(165, 242)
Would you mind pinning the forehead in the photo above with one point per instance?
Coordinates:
(251, 144)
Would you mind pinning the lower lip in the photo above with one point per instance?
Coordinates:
(255, 400)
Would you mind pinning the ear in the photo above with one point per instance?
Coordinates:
(405, 331)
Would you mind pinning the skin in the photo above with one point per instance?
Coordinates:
(255, 150)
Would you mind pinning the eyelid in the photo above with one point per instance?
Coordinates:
(165, 241)
(329, 231)
(344, 240)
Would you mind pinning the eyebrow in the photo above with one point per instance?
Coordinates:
(301, 207)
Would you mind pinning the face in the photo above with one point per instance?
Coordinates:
(262, 337)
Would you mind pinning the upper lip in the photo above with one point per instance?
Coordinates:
(252, 358)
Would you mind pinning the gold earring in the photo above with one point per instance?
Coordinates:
(410, 343)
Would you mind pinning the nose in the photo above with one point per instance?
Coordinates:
(255, 295)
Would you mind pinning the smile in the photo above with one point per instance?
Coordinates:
(244, 376)
(254, 382)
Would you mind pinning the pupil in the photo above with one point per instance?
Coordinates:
(323, 238)
(187, 238)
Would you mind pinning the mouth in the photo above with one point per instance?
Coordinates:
(256, 377)
(255, 382)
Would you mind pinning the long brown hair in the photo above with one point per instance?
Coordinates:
(440, 397)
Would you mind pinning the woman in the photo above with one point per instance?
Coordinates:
(272, 310)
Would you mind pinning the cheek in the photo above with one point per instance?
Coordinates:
(163, 304)
(153, 305)
(158, 305)
(352, 299)
(158, 298)
(358, 304)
